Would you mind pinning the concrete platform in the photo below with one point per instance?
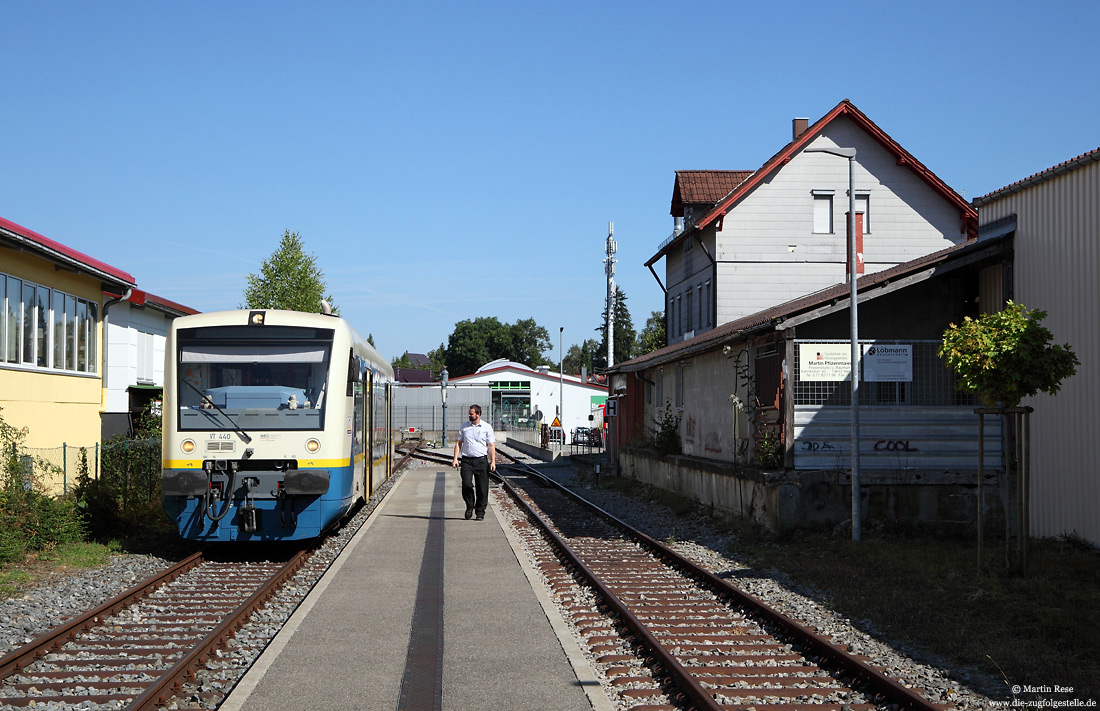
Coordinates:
(424, 610)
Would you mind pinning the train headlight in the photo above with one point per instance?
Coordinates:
(188, 446)
(312, 445)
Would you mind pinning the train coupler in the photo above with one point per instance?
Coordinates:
(248, 518)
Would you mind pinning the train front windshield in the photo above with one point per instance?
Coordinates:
(253, 378)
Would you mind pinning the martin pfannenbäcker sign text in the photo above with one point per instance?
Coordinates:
(825, 361)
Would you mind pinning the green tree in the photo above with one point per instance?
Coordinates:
(288, 279)
(474, 343)
(625, 336)
(652, 336)
(1007, 356)
(529, 340)
(582, 355)
(438, 358)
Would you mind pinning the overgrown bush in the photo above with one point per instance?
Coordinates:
(769, 449)
(125, 499)
(30, 519)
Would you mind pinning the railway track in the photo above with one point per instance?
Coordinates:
(151, 645)
(675, 635)
(143, 647)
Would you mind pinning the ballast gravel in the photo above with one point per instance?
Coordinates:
(41, 608)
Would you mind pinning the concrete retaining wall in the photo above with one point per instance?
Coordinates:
(787, 500)
(545, 455)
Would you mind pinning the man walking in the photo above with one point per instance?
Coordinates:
(476, 446)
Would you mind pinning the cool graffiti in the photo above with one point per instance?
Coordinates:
(883, 445)
(895, 445)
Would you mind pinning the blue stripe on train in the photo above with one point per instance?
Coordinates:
(304, 516)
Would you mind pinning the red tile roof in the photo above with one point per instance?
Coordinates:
(1040, 177)
(847, 109)
(704, 187)
(57, 252)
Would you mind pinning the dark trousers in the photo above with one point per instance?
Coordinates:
(475, 483)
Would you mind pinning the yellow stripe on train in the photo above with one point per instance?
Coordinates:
(302, 463)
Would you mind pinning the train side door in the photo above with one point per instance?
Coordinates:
(357, 389)
(389, 430)
(370, 435)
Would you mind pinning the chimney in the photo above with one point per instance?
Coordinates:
(799, 126)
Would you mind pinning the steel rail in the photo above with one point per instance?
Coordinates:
(17, 660)
(429, 456)
(410, 454)
(888, 689)
(693, 691)
(170, 682)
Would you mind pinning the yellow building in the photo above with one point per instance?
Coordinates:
(52, 303)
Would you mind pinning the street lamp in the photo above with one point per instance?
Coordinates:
(853, 260)
(443, 392)
(561, 386)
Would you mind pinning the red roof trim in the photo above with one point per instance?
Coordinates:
(844, 108)
(534, 373)
(55, 249)
(162, 304)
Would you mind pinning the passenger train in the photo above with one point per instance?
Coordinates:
(275, 424)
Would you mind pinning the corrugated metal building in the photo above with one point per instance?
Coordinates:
(1056, 217)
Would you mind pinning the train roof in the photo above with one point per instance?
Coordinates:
(281, 317)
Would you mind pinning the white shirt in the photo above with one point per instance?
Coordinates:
(475, 439)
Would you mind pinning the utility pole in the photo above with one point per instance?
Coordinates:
(609, 269)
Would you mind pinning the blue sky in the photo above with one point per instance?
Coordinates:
(446, 161)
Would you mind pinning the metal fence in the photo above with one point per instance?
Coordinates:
(56, 468)
(422, 407)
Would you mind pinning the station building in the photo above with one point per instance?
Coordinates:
(755, 373)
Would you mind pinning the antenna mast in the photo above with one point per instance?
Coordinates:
(609, 269)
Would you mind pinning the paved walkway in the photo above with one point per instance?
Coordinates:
(424, 610)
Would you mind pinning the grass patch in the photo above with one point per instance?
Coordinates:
(80, 555)
(12, 581)
(1040, 628)
(37, 567)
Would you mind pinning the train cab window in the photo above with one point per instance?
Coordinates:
(275, 384)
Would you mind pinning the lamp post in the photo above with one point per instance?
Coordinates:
(561, 387)
(443, 392)
(853, 259)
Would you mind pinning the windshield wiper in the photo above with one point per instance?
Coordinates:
(236, 427)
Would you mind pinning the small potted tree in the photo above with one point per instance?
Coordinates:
(1005, 357)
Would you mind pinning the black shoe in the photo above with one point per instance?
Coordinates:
(481, 517)
(469, 514)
